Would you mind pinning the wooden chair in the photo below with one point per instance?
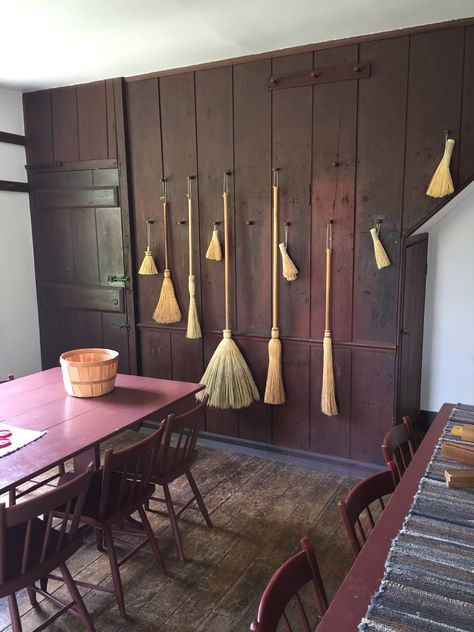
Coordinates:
(10, 377)
(176, 460)
(358, 500)
(284, 587)
(398, 448)
(118, 489)
(31, 548)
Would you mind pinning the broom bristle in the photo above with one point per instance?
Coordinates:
(328, 391)
(167, 310)
(288, 268)
(274, 389)
(381, 258)
(148, 264)
(228, 379)
(214, 251)
(194, 328)
(441, 183)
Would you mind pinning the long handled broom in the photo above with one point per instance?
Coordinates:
(167, 310)
(194, 328)
(328, 391)
(274, 389)
(228, 379)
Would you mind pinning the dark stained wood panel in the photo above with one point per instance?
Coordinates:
(380, 159)
(115, 336)
(187, 363)
(219, 421)
(65, 124)
(179, 151)
(111, 122)
(54, 249)
(333, 189)
(252, 155)
(92, 121)
(331, 435)
(86, 263)
(144, 129)
(291, 419)
(83, 297)
(255, 422)
(109, 243)
(76, 198)
(155, 346)
(38, 127)
(291, 147)
(214, 157)
(466, 149)
(372, 402)
(434, 105)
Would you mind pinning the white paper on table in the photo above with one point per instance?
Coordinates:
(19, 438)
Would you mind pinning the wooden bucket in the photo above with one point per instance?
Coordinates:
(89, 372)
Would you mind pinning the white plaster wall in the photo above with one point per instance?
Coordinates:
(448, 345)
(19, 332)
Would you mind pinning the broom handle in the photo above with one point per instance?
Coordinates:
(275, 259)
(165, 228)
(226, 261)
(328, 276)
(190, 234)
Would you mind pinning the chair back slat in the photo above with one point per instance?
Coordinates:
(359, 499)
(398, 448)
(26, 547)
(303, 615)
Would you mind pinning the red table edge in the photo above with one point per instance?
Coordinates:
(352, 599)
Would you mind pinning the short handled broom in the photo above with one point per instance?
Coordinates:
(442, 183)
(328, 390)
(194, 328)
(228, 379)
(167, 310)
(148, 264)
(274, 389)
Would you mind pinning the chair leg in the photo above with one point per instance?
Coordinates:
(99, 539)
(44, 583)
(198, 497)
(61, 469)
(76, 597)
(174, 522)
(114, 567)
(32, 596)
(14, 613)
(151, 538)
(12, 497)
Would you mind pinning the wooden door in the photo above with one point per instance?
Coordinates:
(413, 289)
(79, 257)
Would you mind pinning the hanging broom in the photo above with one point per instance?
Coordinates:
(148, 264)
(288, 268)
(441, 183)
(328, 391)
(274, 389)
(228, 379)
(381, 257)
(167, 310)
(214, 251)
(194, 328)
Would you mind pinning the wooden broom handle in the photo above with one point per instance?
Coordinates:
(327, 321)
(190, 234)
(275, 260)
(226, 260)
(165, 228)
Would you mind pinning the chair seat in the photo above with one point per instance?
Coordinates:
(170, 466)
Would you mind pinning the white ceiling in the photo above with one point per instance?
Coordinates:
(46, 43)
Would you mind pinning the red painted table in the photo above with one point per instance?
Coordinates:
(75, 427)
(363, 579)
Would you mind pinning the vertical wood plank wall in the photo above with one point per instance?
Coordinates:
(352, 151)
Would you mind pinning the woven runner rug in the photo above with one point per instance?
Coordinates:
(428, 583)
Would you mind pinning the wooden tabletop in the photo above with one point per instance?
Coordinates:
(363, 579)
(39, 402)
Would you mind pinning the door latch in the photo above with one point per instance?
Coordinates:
(115, 278)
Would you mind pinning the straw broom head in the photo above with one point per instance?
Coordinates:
(228, 380)
(274, 389)
(148, 264)
(194, 328)
(288, 268)
(214, 251)
(441, 183)
(167, 310)
(328, 391)
(381, 257)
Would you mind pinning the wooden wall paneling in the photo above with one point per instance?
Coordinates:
(85, 255)
(38, 127)
(144, 131)
(252, 154)
(69, 198)
(291, 148)
(372, 402)
(214, 132)
(291, 419)
(109, 243)
(331, 435)
(434, 105)
(115, 336)
(111, 127)
(333, 190)
(380, 160)
(50, 336)
(466, 149)
(92, 121)
(219, 421)
(65, 124)
(179, 161)
(155, 355)
(187, 363)
(255, 422)
(57, 249)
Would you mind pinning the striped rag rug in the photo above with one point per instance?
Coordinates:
(428, 584)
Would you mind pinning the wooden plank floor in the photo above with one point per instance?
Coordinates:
(260, 509)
